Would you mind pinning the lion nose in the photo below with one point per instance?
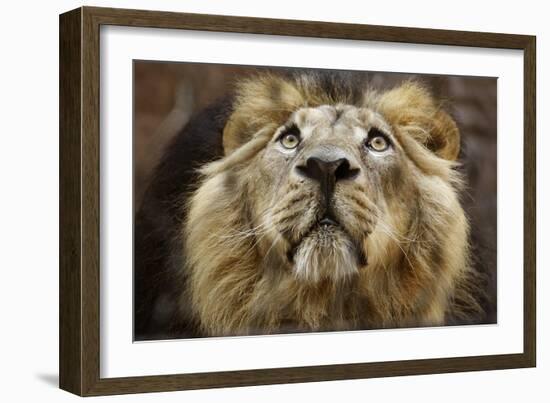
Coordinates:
(327, 172)
(322, 170)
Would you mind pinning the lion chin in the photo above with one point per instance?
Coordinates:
(326, 253)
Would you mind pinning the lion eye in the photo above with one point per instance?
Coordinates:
(290, 141)
(377, 141)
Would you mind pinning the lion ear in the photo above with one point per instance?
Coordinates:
(413, 110)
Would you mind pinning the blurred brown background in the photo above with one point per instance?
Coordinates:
(166, 94)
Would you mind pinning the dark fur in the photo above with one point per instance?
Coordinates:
(159, 219)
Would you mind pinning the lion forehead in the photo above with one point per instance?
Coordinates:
(337, 119)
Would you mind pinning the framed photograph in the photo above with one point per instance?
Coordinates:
(249, 201)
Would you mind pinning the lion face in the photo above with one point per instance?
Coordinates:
(326, 188)
(333, 208)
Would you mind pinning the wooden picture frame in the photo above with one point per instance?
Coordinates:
(80, 199)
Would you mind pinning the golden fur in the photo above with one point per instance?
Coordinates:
(250, 210)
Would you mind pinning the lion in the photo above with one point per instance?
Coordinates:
(307, 202)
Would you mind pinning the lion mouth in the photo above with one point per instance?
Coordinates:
(326, 222)
(327, 230)
(327, 226)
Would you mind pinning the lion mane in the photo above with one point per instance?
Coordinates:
(210, 261)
